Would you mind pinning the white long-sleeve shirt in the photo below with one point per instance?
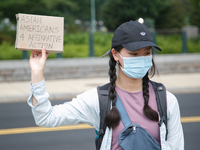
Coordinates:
(85, 109)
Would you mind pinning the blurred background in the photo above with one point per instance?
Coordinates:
(89, 24)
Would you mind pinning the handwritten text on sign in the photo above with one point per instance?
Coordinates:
(39, 35)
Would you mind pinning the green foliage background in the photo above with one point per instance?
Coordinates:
(158, 14)
(131, 10)
(77, 45)
(195, 12)
(165, 13)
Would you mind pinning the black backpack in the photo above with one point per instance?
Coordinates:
(104, 104)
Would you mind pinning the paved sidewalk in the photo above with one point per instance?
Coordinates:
(69, 88)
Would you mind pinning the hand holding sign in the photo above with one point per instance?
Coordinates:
(37, 64)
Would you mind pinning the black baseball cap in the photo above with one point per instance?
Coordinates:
(132, 35)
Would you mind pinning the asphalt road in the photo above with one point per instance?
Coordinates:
(18, 115)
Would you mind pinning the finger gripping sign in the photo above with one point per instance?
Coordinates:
(36, 31)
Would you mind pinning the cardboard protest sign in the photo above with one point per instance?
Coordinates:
(36, 31)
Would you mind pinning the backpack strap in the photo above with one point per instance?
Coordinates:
(161, 99)
(123, 113)
(104, 107)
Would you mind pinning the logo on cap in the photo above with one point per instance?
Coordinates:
(143, 33)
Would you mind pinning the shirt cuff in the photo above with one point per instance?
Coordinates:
(38, 91)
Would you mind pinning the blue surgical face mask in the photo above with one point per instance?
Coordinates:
(136, 67)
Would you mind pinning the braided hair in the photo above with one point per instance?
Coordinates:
(148, 111)
(112, 119)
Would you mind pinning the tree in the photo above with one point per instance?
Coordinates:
(195, 13)
(70, 9)
(9, 8)
(116, 12)
(175, 15)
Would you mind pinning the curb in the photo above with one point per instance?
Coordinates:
(71, 68)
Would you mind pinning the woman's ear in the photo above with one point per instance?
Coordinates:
(115, 54)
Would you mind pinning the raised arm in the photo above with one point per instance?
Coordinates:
(37, 64)
(82, 109)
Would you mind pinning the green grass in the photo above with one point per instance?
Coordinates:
(77, 45)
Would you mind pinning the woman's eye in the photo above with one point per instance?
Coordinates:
(134, 54)
(148, 53)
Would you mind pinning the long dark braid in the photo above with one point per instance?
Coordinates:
(148, 111)
(113, 117)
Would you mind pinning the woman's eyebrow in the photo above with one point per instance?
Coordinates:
(149, 48)
(132, 52)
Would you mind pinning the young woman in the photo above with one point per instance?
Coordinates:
(132, 51)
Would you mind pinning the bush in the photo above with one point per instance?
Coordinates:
(102, 43)
(76, 50)
(8, 51)
(76, 38)
(77, 45)
(194, 45)
(6, 38)
(7, 35)
(171, 44)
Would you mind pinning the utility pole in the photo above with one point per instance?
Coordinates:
(93, 27)
(93, 19)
